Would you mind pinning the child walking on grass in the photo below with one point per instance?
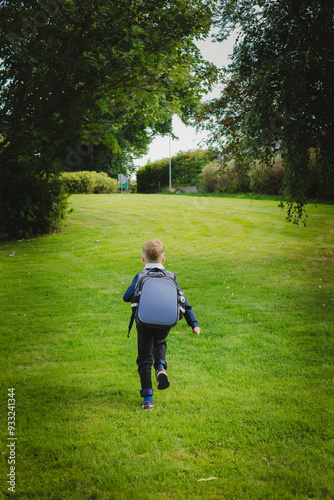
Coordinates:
(152, 345)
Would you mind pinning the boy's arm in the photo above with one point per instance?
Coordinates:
(190, 316)
(127, 297)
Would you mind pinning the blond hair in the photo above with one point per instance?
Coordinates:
(153, 251)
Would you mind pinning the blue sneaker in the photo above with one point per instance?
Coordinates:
(162, 379)
(147, 405)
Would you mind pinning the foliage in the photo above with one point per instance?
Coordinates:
(78, 72)
(132, 187)
(34, 204)
(211, 178)
(113, 162)
(97, 157)
(236, 173)
(256, 177)
(277, 93)
(229, 178)
(251, 397)
(186, 169)
(88, 182)
(153, 176)
(266, 179)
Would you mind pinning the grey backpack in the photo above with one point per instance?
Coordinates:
(157, 300)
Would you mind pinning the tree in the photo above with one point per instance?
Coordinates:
(88, 72)
(278, 90)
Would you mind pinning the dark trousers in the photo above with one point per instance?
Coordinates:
(152, 345)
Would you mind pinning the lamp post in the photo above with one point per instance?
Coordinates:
(170, 161)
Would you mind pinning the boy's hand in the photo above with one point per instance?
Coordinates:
(196, 330)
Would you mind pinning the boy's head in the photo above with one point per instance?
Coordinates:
(153, 252)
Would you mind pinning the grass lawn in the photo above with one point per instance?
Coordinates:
(250, 406)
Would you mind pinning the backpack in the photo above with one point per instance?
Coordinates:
(157, 300)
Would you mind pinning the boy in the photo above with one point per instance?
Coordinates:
(152, 341)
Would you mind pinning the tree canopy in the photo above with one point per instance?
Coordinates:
(90, 72)
(278, 92)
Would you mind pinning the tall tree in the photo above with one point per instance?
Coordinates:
(88, 71)
(278, 91)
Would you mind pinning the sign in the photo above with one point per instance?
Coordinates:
(122, 179)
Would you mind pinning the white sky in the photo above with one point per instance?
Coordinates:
(217, 53)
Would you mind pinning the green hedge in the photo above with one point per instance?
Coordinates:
(88, 182)
(31, 204)
(186, 171)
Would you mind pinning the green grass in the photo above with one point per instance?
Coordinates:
(251, 398)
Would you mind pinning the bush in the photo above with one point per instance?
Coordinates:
(244, 176)
(186, 171)
(211, 178)
(132, 187)
(32, 204)
(230, 178)
(266, 179)
(235, 176)
(88, 182)
(153, 176)
(102, 183)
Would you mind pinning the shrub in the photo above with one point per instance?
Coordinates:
(88, 182)
(186, 171)
(235, 176)
(211, 178)
(266, 179)
(187, 167)
(132, 187)
(230, 178)
(102, 183)
(152, 176)
(243, 176)
(77, 182)
(33, 204)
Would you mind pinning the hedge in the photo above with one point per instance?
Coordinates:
(31, 204)
(88, 182)
(186, 171)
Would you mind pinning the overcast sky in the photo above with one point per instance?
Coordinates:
(217, 53)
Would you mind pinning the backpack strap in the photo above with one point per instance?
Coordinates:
(133, 305)
(155, 269)
(131, 323)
